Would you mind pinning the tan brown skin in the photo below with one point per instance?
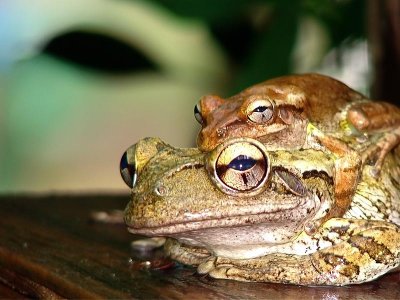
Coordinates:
(312, 97)
(307, 111)
(255, 233)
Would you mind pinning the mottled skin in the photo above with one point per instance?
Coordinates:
(238, 224)
(308, 111)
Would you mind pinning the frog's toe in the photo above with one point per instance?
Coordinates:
(369, 156)
(377, 153)
(222, 273)
(375, 157)
(375, 171)
(207, 266)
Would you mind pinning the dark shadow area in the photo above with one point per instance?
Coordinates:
(98, 52)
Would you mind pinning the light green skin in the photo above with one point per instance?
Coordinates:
(261, 237)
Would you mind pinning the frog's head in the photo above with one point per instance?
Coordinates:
(233, 199)
(270, 113)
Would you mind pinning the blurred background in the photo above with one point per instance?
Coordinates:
(80, 81)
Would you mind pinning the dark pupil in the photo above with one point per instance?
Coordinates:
(196, 110)
(127, 170)
(260, 109)
(124, 161)
(242, 163)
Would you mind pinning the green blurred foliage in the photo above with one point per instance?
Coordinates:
(267, 30)
(343, 20)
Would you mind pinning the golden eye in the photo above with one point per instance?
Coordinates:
(240, 165)
(260, 111)
(197, 114)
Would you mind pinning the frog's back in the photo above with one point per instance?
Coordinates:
(325, 96)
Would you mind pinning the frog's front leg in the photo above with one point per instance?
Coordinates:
(188, 255)
(371, 118)
(347, 173)
(363, 257)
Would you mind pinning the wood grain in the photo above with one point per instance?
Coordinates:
(50, 249)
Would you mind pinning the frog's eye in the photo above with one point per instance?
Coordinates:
(260, 111)
(127, 167)
(241, 167)
(197, 114)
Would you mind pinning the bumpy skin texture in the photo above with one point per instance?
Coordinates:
(308, 111)
(261, 236)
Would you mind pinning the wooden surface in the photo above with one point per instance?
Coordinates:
(50, 249)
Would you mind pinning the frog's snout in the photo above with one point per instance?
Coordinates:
(136, 157)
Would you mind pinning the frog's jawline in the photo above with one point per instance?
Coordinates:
(272, 218)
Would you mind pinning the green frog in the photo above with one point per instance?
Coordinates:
(309, 111)
(240, 211)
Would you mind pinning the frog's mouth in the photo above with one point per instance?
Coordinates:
(260, 220)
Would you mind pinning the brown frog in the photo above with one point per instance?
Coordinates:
(238, 212)
(308, 111)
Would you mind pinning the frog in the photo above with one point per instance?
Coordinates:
(238, 212)
(307, 111)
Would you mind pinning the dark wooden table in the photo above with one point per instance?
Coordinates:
(49, 248)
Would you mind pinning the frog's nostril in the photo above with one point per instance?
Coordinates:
(127, 167)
